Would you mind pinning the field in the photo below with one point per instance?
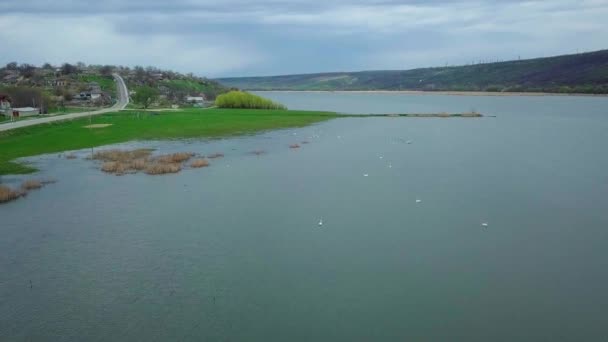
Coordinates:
(134, 125)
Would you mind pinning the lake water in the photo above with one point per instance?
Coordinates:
(234, 252)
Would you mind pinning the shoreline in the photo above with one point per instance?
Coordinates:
(447, 93)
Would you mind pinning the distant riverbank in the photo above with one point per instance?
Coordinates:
(421, 92)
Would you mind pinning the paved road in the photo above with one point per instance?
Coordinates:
(123, 101)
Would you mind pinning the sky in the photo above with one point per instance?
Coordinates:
(217, 38)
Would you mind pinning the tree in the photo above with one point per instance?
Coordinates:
(11, 66)
(68, 68)
(106, 70)
(47, 66)
(26, 70)
(145, 96)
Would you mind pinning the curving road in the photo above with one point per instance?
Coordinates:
(123, 101)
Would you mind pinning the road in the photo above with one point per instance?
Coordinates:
(123, 101)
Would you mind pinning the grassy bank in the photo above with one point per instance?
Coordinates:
(126, 126)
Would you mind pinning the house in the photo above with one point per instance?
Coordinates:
(197, 101)
(94, 86)
(5, 104)
(90, 95)
(158, 76)
(59, 82)
(11, 77)
(25, 111)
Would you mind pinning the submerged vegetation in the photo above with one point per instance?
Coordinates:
(191, 123)
(240, 99)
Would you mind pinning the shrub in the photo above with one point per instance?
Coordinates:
(240, 99)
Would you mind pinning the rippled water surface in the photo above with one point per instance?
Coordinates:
(234, 252)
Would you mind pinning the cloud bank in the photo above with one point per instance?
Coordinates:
(237, 37)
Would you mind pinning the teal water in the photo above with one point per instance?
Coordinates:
(234, 252)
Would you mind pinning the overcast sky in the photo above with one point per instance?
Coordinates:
(271, 37)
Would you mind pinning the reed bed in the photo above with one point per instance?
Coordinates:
(174, 158)
(7, 194)
(119, 168)
(120, 162)
(122, 155)
(162, 168)
(31, 185)
(198, 163)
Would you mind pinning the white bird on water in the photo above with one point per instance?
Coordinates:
(418, 201)
(409, 142)
(320, 222)
(485, 224)
(365, 175)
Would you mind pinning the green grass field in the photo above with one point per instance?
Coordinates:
(105, 82)
(126, 126)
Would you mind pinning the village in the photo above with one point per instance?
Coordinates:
(27, 90)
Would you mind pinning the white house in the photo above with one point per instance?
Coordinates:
(197, 101)
(90, 95)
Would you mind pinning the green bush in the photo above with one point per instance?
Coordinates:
(240, 99)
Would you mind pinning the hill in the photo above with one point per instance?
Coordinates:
(579, 73)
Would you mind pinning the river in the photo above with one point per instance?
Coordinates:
(235, 252)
